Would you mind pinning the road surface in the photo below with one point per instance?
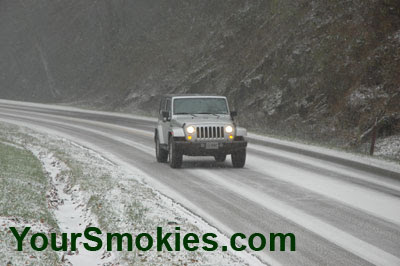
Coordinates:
(342, 211)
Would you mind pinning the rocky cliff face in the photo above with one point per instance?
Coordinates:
(317, 70)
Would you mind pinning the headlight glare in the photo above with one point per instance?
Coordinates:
(229, 129)
(190, 129)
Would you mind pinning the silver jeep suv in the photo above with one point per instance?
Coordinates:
(198, 125)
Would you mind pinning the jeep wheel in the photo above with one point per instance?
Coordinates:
(175, 156)
(161, 154)
(220, 157)
(239, 158)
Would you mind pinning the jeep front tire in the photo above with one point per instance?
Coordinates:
(239, 158)
(175, 156)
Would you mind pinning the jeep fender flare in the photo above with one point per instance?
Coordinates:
(158, 132)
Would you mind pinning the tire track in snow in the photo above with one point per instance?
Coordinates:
(339, 237)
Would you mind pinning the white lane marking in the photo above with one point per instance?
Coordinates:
(344, 240)
(209, 224)
(374, 202)
(337, 168)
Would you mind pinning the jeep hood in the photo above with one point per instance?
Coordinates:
(201, 119)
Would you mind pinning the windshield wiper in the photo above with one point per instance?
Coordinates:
(209, 114)
(185, 114)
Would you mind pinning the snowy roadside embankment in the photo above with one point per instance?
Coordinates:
(87, 189)
(23, 204)
(388, 147)
(69, 208)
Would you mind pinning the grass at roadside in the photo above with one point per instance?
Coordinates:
(116, 200)
(23, 187)
(121, 204)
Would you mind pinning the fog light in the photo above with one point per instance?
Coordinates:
(189, 137)
(230, 137)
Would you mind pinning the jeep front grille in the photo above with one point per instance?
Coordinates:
(210, 132)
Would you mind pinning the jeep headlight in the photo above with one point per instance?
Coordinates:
(190, 129)
(229, 129)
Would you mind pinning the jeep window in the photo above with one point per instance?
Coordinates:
(200, 106)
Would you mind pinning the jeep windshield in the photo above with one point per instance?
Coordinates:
(200, 106)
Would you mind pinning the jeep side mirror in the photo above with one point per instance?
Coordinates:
(233, 114)
(165, 115)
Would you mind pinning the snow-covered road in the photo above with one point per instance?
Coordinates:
(343, 209)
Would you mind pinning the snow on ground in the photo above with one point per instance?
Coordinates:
(11, 144)
(88, 188)
(364, 159)
(341, 238)
(69, 207)
(23, 203)
(384, 147)
(379, 204)
(24, 257)
(328, 166)
(388, 147)
(75, 109)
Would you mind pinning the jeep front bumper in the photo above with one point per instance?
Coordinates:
(201, 149)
